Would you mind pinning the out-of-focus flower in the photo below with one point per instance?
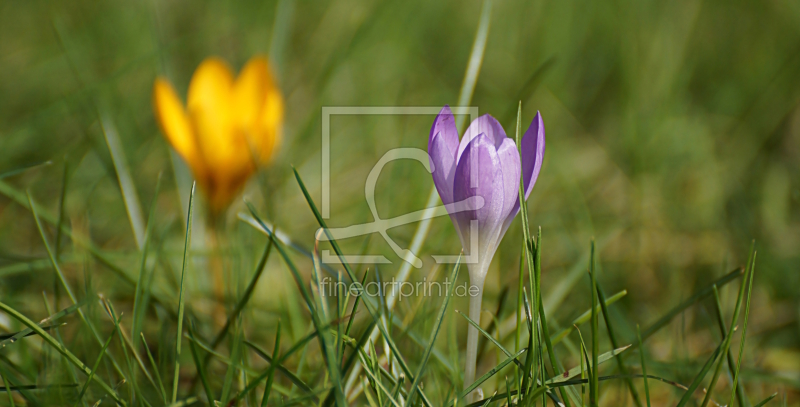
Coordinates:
(486, 164)
(229, 127)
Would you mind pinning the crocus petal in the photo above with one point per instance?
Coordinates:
(532, 153)
(509, 161)
(486, 125)
(210, 106)
(258, 108)
(270, 126)
(175, 124)
(532, 156)
(223, 144)
(443, 163)
(250, 91)
(445, 127)
(479, 173)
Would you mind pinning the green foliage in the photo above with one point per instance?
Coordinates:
(673, 140)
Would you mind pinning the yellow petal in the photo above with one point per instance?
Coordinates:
(250, 91)
(270, 126)
(212, 114)
(259, 108)
(175, 124)
(211, 84)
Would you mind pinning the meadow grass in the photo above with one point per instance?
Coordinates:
(673, 142)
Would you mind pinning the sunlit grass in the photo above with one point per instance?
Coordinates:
(672, 142)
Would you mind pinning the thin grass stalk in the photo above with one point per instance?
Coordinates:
(593, 387)
(744, 329)
(186, 245)
(644, 365)
(614, 344)
(723, 327)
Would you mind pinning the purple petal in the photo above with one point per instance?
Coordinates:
(486, 125)
(509, 161)
(532, 156)
(445, 126)
(443, 163)
(532, 153)
(479, 173)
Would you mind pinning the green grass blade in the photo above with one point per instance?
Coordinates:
(529, 251)
(11, 384)
(543, 319)
(186, 246)
(614, 344)
(11, 338)
(594, 384)
(162, 391)
(434, 334)
(248, 293)
(163, 298)
(374, 364)
(8, 390)
(240, 305)
(279, 367)
(339, 314)
(127, 342)
(395, 390)
(475, 57)
(73, 377)
(718, 369)
(62, 350)
(139, 304)
(370, 400)
(575, 371)
(355, 306)
(766, 400)
(520, 286)
(744, 329)
(184, 403)
(371, 307)
(271, 371)
(201, 371)
(96, 365)
(697, 297)
(723, 328)
(20, 170)
(699, 377)
(236, 354)
(360, 345)
(325, 345)
(62, 200)
(64, 283)
(280, 236)
(728, 336)
(376, 380)
(108, 307)
(126, 184)
(586, 316)
(527, 368)
(585, 369)
(491, 373)
(644, 366)
(487, 335)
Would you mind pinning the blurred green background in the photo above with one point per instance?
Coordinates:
(673, 138)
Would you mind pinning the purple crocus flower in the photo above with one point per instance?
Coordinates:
(486, 164)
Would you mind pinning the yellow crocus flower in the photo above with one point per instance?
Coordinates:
(228, 128)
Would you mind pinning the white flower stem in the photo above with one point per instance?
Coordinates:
(472, 335)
